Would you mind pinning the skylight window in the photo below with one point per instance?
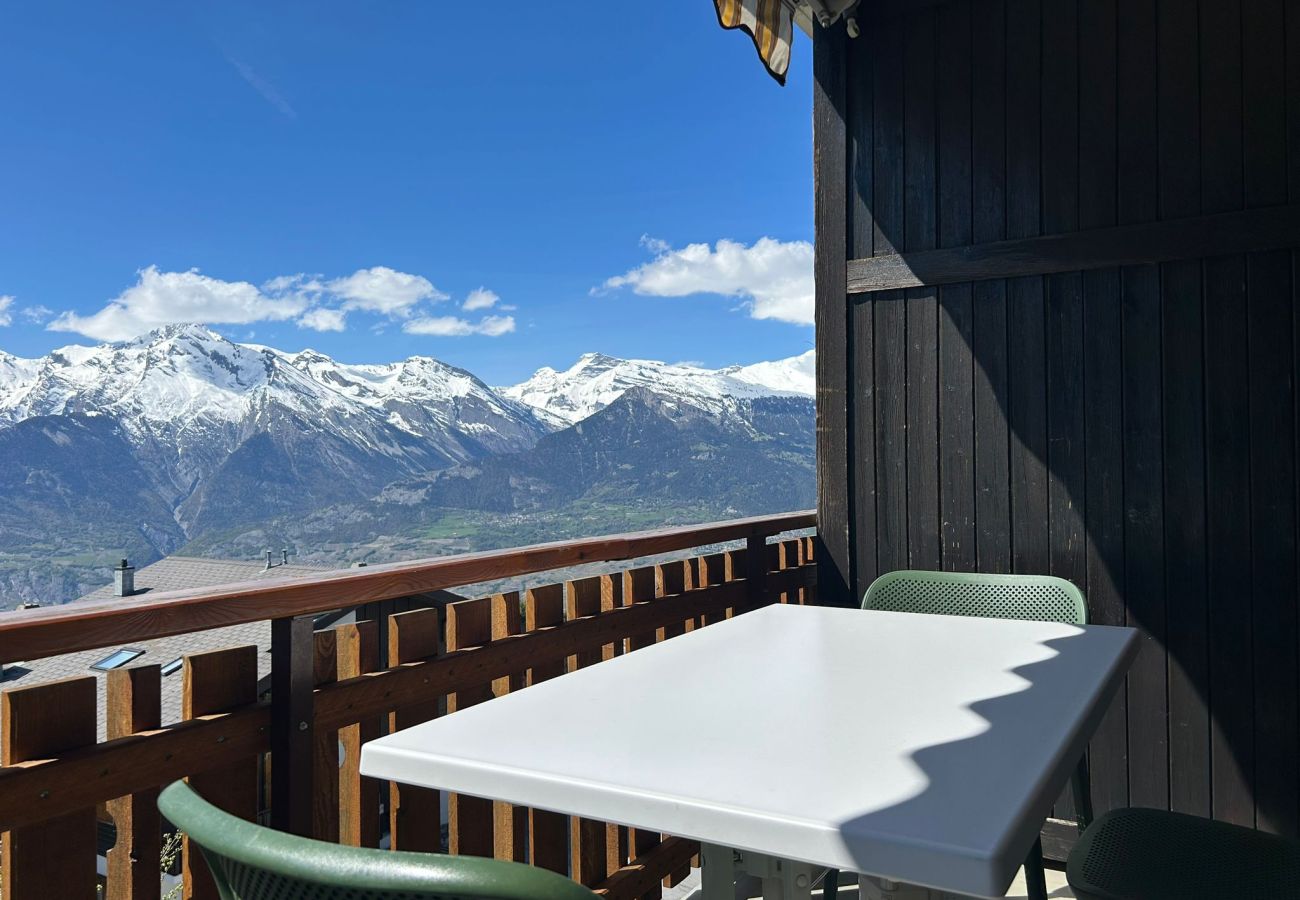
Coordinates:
(117, 659)
(174, 666)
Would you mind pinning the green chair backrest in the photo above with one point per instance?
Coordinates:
(1043, 598)
(249, 862)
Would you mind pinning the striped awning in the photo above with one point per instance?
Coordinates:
(769, 22)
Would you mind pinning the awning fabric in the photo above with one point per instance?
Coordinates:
(769, 22)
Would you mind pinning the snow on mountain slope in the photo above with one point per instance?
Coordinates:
(595, 381)
(15, 375)
(187, 399)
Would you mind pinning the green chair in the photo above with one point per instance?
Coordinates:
(1151, 854)
(249, 862)
(1037, 597)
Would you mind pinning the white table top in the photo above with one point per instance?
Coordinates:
(925, 749)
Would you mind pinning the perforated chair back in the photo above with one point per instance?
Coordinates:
(249, 862)
(1043, 598)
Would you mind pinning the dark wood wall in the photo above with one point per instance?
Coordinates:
(1057, 333)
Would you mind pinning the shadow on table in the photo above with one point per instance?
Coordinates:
(961, 775)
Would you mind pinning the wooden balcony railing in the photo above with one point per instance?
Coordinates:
(294, 756)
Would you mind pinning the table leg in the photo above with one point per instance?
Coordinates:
(782, 879)
(717, 872)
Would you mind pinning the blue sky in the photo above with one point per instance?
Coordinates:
(305, 167)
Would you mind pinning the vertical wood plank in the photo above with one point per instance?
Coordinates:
(1027, 395)
(1063, 307)
(1103, 400)
(357, 653)
(293, 658)
(594, 844)
(956, 335)
(861, 353)
(509, 822)
(1144, 557)
(548, 832)
(889, 307)
(1227, 424)
(469, 624)
(215, 682)
(922, 312)
(834, 476)
(55, 858)
(641, 584)
(989, 326)
(414, 813)
(134, 704)
(1272, 428)
(325, 746)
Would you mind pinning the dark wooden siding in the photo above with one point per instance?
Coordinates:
(1118, 409)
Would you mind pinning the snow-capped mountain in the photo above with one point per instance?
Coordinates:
(182, 438)
(595, 381)
(190, 402)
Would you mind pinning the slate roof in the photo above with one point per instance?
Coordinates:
(172, 573)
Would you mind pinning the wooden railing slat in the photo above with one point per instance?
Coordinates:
(56, 857)
(509, 822)
(358, 796)
(469, 624)
(215, 682)
(593, 845)
(135, 704)
(548, 832)
(415, 813)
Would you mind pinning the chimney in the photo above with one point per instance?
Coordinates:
(284, 556)
(124, 580)
(268, 559)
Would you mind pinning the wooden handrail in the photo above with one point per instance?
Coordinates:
(34, 634)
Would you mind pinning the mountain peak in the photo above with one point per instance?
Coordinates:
(192, 330)
(597, 380)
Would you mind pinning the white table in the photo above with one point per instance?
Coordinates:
(918, 748)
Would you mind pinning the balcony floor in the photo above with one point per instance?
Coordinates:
(1056, 888)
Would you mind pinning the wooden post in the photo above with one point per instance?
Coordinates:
(293, 655)
(509, 822)
(358, 797)
(414, 813)
(214, 682)
(325, 746)
(548, 832)
(134, 704)
(469, 624)
(56, 857)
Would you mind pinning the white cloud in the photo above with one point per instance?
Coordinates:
(775, 277)
(37, 315)
(310, 301)
(322, 319)
(383, 290)
(6, 317)
(481, 298)
(452, 326)
(163, 298)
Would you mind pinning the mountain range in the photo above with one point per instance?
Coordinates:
(182, 438)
